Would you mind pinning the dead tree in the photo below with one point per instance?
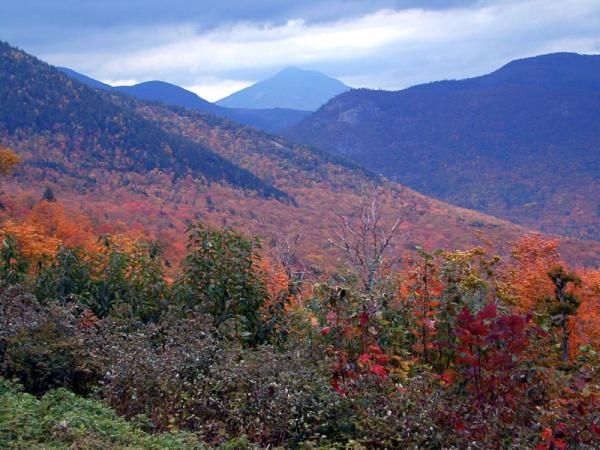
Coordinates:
(367, 241)
(285, 251)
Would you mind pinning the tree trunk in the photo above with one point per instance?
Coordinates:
(565, 339)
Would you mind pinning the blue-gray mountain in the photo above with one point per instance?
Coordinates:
(271, 119)
(291, 88)
(521, 143)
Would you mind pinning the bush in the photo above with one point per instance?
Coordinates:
(181, 377)
(220, 278)
(61, 419)
(126, 278)
(47, 346)
(154, 369)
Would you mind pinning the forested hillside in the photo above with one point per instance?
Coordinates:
(73, 131)
(521, 143)
(144, 167)
(170, 279)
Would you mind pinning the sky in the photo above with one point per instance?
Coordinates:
(217, 47)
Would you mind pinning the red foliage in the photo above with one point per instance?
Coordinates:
(488, 352)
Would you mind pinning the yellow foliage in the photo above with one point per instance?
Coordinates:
(8, 159)
(33, 241)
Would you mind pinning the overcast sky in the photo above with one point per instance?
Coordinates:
(217, 47)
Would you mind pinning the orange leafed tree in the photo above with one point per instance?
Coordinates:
(33, 242)
(534, 255)
(48, 226)
(276, 280)
(8, 160)
(72, 228)
(586, 326)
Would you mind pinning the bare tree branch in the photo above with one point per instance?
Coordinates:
(366, 242)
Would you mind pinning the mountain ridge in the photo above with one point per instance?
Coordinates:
(495, 143)
(270, 119)
(51, 108)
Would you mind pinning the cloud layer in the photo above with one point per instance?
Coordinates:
(379, 44)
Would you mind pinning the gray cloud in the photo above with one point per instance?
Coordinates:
(219, 46)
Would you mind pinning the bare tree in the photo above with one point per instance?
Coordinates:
(285, 250)
(367, 241)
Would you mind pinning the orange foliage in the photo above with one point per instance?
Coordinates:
(33, 242)
(585, 327)
(275, 278)
(48, 226)
(72, 229)
(534, 256)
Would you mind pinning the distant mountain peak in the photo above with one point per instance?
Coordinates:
(294, 70)
(291, 87)
(91, 82)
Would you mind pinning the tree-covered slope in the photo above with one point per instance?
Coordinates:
(63, 123)
(522, 143)
(126, 165)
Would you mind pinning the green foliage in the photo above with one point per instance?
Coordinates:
(564, 304)
(220, 278)
(68, 276)
(61, 419)
(13, 266)
(121, 281)
(130, 281)
(48, 195)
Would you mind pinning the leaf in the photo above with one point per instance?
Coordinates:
(449, 376)
(489, 312)
(380, 371)
(331, 317)
(363, 319)
(325, 331)
(364, 359)
(375, 349)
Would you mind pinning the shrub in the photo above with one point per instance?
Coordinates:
(46, 346)
(154, 369)
(13, 266)
(181, 377)
(128, 279)
(61, 419)
(220, 278)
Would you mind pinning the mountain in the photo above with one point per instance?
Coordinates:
(171, 94)
(149, 169)
(89, 81)
(76, 130)
(291, 88)
(521, 143)
(271, 120)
